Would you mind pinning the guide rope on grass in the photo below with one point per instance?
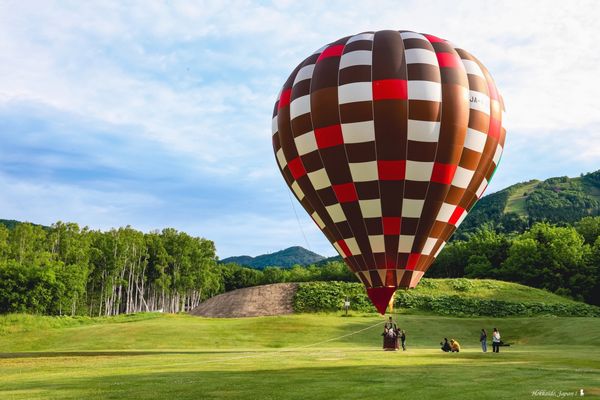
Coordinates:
(292, 349)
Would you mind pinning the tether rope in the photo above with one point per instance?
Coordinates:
(292, 349)
(298, 219)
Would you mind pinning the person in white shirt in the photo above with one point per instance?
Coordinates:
(496, 341)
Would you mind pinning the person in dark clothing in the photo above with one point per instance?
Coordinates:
(483, 340)
(403, 339)
(390, 324)
(445, 346)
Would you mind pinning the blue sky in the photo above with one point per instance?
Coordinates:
(157, 114)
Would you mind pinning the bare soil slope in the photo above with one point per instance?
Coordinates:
(255, 301)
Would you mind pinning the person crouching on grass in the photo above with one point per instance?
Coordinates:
(454, 346)
(445, 346)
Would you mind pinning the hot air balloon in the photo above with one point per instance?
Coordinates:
(388, 139)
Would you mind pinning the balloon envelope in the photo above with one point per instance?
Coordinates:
(388, 139)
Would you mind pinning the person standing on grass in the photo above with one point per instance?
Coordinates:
(403, 339)
(391, 329)
(496, 341)
(390, 325)
(483, 340)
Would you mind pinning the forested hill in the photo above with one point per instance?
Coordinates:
(283, 258)
(11, 223)
(561, 200)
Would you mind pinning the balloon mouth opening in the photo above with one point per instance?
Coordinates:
(380, 297)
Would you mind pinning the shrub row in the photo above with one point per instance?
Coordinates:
(472, 307)
(330, 296)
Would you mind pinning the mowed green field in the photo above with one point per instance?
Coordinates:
(152, 356)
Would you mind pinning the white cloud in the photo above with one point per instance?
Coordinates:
(46, 203)
(199, 79)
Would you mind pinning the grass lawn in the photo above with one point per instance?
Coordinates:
(151, 356)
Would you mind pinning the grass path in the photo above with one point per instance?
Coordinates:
(517, 199)
(182, 357)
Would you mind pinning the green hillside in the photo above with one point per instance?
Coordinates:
(517, 198)
(488, 289)
(560, 200)
(283, 258)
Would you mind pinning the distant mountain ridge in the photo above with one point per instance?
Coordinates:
(11, 223)
(284, 258)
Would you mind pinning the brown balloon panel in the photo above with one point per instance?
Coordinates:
(388, 139)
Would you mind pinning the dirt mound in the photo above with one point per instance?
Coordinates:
(255, 301)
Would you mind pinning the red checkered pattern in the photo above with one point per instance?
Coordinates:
(388, 139)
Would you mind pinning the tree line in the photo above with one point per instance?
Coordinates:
(235, 276)
(64, 269)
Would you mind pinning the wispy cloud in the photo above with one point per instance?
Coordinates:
(158, 113)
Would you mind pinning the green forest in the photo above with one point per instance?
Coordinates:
(64, 269)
